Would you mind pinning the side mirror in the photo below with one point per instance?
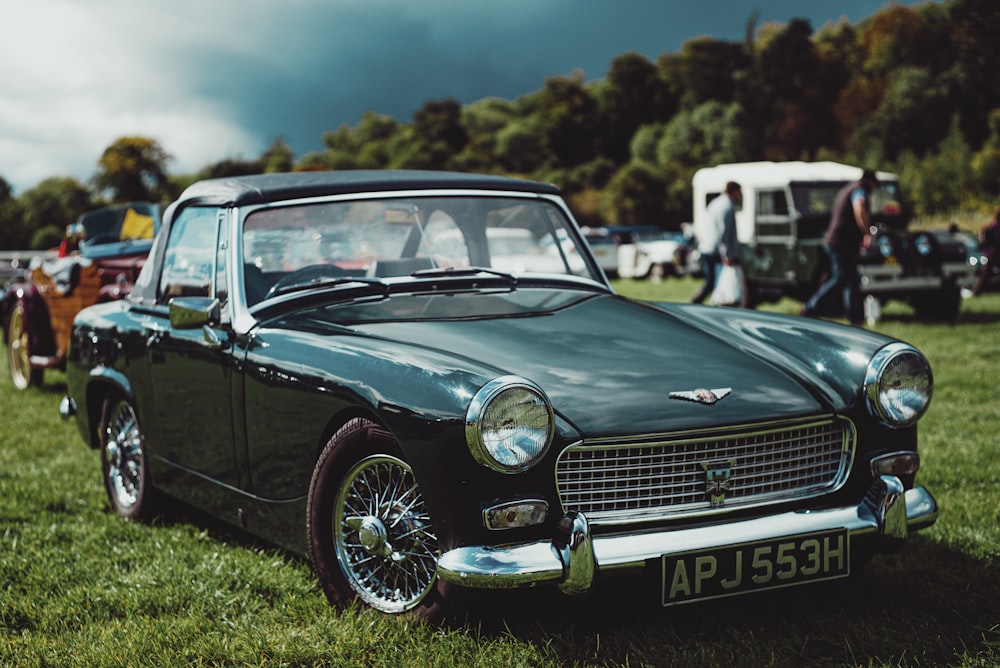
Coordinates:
(194, 312)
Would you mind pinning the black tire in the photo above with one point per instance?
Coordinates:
(123, 460)
(381, 552)
(22, 374)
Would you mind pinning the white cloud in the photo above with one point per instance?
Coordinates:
(76, 76)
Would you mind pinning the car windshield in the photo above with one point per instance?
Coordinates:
(117, 224)
(302, 244)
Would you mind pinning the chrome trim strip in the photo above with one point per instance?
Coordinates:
(877, 520)
(871, 284)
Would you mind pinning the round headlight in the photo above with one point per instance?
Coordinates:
(885, 246)
(898, 385)
(509, 424)
(924, 245)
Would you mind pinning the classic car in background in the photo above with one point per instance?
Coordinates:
(336, 362)
(635, 251)
(977, 260)
(38, 310)
(785, 212)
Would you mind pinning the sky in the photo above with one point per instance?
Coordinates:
(223, 79)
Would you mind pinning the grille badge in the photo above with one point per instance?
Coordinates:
(718, 480)
(702, 396)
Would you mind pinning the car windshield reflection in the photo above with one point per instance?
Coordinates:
(299, 246)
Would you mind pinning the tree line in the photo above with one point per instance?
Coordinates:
(909, 90)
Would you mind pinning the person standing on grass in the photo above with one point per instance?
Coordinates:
(716, 236)
(848, 233)
(989, 242)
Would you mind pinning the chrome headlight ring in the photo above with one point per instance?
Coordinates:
(898, 385)
(509, 424)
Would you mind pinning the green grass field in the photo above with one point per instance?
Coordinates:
(81, 587)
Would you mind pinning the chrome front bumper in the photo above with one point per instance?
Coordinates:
(573, 560)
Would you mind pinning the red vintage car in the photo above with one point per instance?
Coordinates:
(38, 312)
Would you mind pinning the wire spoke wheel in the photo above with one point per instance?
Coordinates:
(384, 541)
(18, 351)
(123, 458)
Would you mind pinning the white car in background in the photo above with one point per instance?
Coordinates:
(635, 251)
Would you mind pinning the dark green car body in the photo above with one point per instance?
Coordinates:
(241, 405)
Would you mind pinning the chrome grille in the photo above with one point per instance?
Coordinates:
(621, 481)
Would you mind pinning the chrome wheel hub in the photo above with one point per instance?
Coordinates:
(372, 535)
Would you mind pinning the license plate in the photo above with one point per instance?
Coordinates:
(747, 567)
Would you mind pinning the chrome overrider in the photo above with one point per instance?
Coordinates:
(574, 558)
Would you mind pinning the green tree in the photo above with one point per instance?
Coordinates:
(986, 163)
(942, 180)
(975, 33)
(231, 167)
(913, 116)
(46, 238)
(317, 161)
(434, 139)
(484, 120)
(567, 116)
(278, 157)
(632, 94)
(133, 169)
(705, 70)
(54, 203)
(14, 234)
(635, 196)
(788, 94)
(644, 142)
(706, 135)
(375, 134)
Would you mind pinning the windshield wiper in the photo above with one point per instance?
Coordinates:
(444, 272)
(321, 282)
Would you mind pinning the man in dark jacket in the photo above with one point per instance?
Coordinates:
(849, 232)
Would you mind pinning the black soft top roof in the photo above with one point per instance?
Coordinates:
(263, 188)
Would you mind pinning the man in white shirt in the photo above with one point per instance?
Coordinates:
(716, 235)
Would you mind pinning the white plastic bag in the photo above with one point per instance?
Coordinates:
(728, 287)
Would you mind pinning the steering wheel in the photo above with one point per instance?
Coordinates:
(308, 274)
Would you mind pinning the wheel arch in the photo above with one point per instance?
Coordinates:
(341, 418)
(102, 384)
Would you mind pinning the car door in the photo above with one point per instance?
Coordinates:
(191, 368)
(775, 235)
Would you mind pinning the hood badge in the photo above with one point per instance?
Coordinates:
(702, 396)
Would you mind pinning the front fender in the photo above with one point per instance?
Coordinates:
(100, 383)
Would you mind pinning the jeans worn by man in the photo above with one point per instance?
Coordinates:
(710, 272)
(849, 231)
(844, 277)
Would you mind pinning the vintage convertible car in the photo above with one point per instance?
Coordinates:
(334, 361)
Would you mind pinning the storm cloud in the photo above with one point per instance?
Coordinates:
(216, 79)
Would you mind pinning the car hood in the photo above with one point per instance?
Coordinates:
(604, 361)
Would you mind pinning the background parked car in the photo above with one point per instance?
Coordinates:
(635, 251)
(38, 310)
(977, 261)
